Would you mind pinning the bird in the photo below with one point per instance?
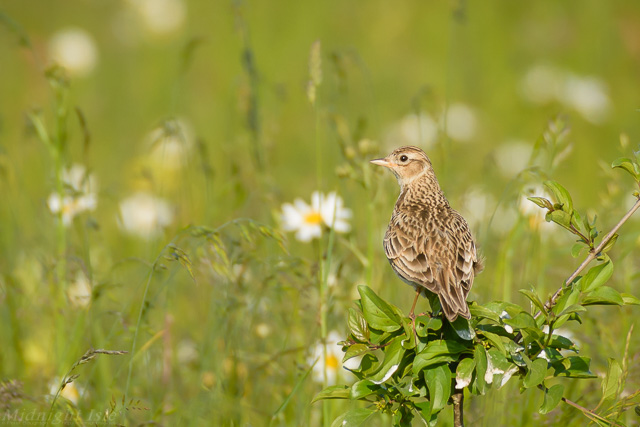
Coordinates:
(429, 245)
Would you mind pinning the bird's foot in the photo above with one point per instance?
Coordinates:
(412, 316)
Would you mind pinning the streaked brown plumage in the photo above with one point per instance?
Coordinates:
(428, 244)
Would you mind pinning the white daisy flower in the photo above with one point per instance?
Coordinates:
(460, 122)
(80, 194)
(70, 391)
(262, 330)
(331, 364)
(303, 219)
(334, 214)
(477, 206)
(307, 220)
(161, 16)
(542, 83)
(170, 144)
(413, 129)
(187, 352)
(512, 157)
(75, 50)
(144, 215)
(79, 291)
(588, 96)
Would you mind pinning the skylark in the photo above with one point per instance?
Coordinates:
(428, 244)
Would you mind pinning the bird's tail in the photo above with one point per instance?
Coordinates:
(453, 299)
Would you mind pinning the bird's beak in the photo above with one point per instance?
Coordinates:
(383, 162)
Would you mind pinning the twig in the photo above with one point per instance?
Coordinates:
(592, 255)
(589, 413)
(458, 401)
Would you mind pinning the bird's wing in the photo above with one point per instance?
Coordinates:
(409, 246)
(437, 254)
(466, 264)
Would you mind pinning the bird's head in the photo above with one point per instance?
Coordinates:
(407, 164)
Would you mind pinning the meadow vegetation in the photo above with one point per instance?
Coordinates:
(189, 215)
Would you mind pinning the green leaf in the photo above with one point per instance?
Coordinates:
(611, 382)
(628, 165)
(358, 325)
(424, 411)
(332, 392)
(407, 384)
(574, 308)
(377, 336)
(403, 416)
(589, 226)
(596, 276)
(436, 352)
(378, 313)
(576, 220)
(392, 356)
(495, 340)
(552, 396)
(610, 244)
(541, 202)
(353, 418)
(464, 372)
(630, 299)
(438, 381)
(577, 248)
(463, 328)
(498, 360)
(482, 312)
(535, 375)
(561, 194)
(522, 320)
(362, 389)
(368, 365)
(355, 350)
(410, 341)
(426, 323)
(560, 342)
(480, 385)
(604, 295)
(559, 217)
(535, 299)
(573, 367)
(570, 296)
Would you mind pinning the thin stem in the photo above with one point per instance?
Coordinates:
(458, 401)
(592, 255)
(582, 236)
(141, 312)
(589, 413)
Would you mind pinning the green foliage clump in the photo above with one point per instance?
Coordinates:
(413, 368)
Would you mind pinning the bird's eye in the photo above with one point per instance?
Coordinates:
(403, 158)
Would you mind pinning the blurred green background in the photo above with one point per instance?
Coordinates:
(191, 112)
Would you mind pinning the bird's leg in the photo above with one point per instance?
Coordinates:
(412, 316)
(413, 307)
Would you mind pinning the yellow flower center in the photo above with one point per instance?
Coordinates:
(313, 217)
(69, 207)
(332, 362)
